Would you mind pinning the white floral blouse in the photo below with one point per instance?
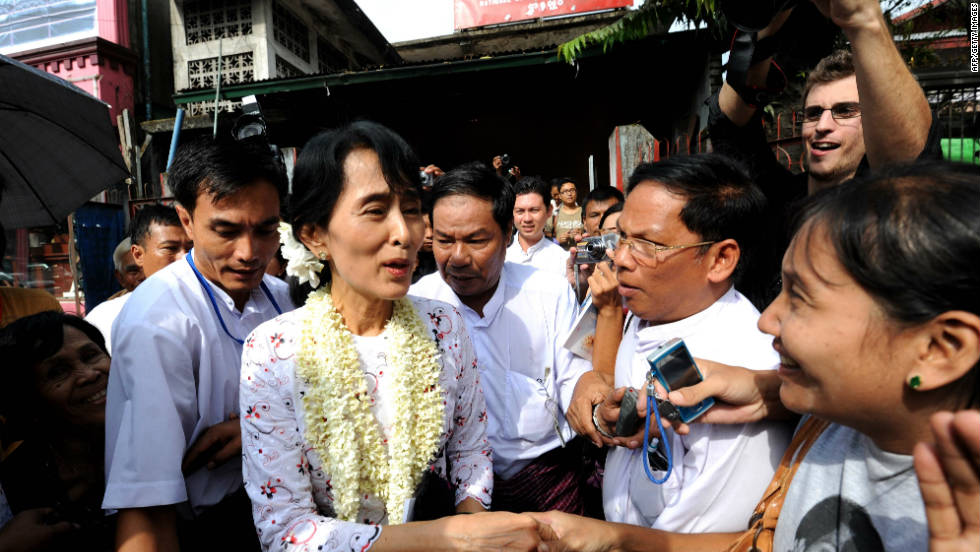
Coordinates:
(291, 495)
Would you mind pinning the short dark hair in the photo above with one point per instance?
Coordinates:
(221, 168)
(617, 208)
(319, 179)
(534, 185)
(838, 65)
(155, 213)
(722, 202)
(563, 179)
(24, 344)
(601, 193)
(478, 180)
(909, 235)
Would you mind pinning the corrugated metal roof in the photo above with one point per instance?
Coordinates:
(379, 73)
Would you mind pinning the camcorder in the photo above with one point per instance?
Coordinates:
(595, 249)
(250, 128)
(250, 124)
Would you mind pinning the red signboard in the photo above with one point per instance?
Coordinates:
(476, 13)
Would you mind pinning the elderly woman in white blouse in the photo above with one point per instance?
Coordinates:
(362, 411)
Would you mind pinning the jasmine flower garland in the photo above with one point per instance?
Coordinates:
(301, 262)
(339, 423)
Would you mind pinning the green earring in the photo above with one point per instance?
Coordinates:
(915, 381)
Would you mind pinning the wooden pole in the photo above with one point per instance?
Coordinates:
(72, 259)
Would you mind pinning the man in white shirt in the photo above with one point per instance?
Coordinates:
(171, 450)
(518, 318)
(686, 226)
(129, 275)
(127, 272)
(532, 209)
(157, 239)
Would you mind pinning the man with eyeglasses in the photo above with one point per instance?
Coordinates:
(518, 317)
(859, 110)
(687, 225)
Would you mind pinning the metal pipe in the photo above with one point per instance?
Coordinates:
(147, 92)
(175, 137)
(217, 92)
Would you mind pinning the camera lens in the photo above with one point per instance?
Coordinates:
(248, 126)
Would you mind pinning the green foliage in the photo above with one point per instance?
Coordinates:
(653, 16)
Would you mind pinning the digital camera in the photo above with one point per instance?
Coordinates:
(428, 179)
(674, 367)
(595, 249)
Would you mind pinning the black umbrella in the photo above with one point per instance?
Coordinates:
(58, 148)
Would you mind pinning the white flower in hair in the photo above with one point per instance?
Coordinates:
(300, 261)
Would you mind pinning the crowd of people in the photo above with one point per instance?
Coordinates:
(375, 363)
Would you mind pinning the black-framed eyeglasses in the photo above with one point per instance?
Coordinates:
(839, 111)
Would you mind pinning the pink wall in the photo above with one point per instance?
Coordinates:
(100, 76)
(113, 21)
(92, 68)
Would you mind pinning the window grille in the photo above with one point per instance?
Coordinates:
(955, 106)
(206, 20)
(329, 58)
(207, 107)
(236, 68)
(289, 30)
(286, 69)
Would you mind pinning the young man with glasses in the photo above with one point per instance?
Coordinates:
(518, 317)
(859, 110)
(566, 222)
(687, 225)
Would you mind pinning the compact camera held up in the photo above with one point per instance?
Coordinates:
(595, 249)
(428, 179)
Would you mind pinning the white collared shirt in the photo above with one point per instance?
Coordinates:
(720, 471)
(546, 255)
(174, 373)
(104, 314)
(523, 367)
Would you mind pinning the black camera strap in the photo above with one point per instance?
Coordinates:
(745, 52)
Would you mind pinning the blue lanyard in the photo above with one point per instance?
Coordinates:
(652, 407)
(214, 304)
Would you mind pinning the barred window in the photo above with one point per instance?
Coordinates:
(329, 58)
(235, 68)
(289, 30)
(207, 107)
(286, 69)
(206, 20)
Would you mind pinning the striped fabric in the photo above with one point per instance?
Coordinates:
(555, 481)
